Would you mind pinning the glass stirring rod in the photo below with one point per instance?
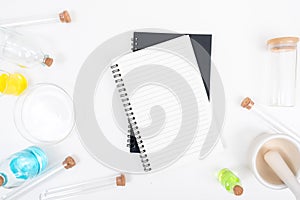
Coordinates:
(82, 188)
(63, 17)
(68, 163)
(277, 126)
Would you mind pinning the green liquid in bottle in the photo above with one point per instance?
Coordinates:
(230, 181)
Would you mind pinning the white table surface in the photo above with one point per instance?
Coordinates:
(240, 30)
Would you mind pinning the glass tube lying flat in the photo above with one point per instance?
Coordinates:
(63, 17)
(68, 163)
(275, 124)
(74, 190)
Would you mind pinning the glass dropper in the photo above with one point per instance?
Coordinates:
(68, 191)
(63, 17)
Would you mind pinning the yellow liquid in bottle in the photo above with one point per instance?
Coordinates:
(13, 84)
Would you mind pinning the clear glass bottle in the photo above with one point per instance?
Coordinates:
(230, 181)
(20, 50)
(21, 166)
(282, 71)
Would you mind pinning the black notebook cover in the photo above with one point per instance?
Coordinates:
(143, 40)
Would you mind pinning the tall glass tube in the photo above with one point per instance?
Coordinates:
(68, 163)
(275, 124)
(63, 17)
(82, 188)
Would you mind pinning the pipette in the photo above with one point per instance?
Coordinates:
(278, 126)
(81, 188)
(68, 163)
(63, 17)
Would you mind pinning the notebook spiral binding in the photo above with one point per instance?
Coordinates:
(130, 115)
(134, 44)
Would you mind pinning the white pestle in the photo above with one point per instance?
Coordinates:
(280, 167)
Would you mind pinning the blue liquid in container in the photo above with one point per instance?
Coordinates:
(23, 165)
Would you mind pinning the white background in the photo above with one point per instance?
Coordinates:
(240, 30)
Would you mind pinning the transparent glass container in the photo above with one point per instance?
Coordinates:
(82, 188)
(282, 71)
(230, 181)
(21, 50)
(62, 17)
(22, 166)
(44, 114)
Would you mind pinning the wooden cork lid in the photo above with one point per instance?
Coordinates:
(121, 180)
(1, 180)
(247, 103)
(283, 40)
(48, 62)
(238, 190)
(69, 162)
(65, 17)
(282, 44)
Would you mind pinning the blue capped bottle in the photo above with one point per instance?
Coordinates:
(21, 166)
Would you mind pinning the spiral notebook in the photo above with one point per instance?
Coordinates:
(201, 44)
(164, 100)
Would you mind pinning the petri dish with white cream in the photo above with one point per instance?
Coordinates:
(44, 114)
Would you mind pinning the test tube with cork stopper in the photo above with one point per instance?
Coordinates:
(274, 123)
(62, 17)
(68, 163)
(82, 188)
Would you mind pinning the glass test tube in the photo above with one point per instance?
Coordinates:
(63, 17)
(68, 163)
(276, 125)
(82, 188)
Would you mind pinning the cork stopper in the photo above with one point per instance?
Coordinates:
(121, 180)
(1, 180)
(48, 62)
(283, 44)
(238, 190)
(69, 162)
(283, 40)
(247, 103)
(65, 17)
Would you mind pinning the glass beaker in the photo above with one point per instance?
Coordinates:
(282, 70)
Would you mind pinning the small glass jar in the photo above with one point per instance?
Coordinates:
(282, 70)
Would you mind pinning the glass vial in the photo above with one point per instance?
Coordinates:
(230, 181)
(20, 50)
(22, 166)
(282, 70)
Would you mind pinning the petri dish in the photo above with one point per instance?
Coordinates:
(44, 114)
